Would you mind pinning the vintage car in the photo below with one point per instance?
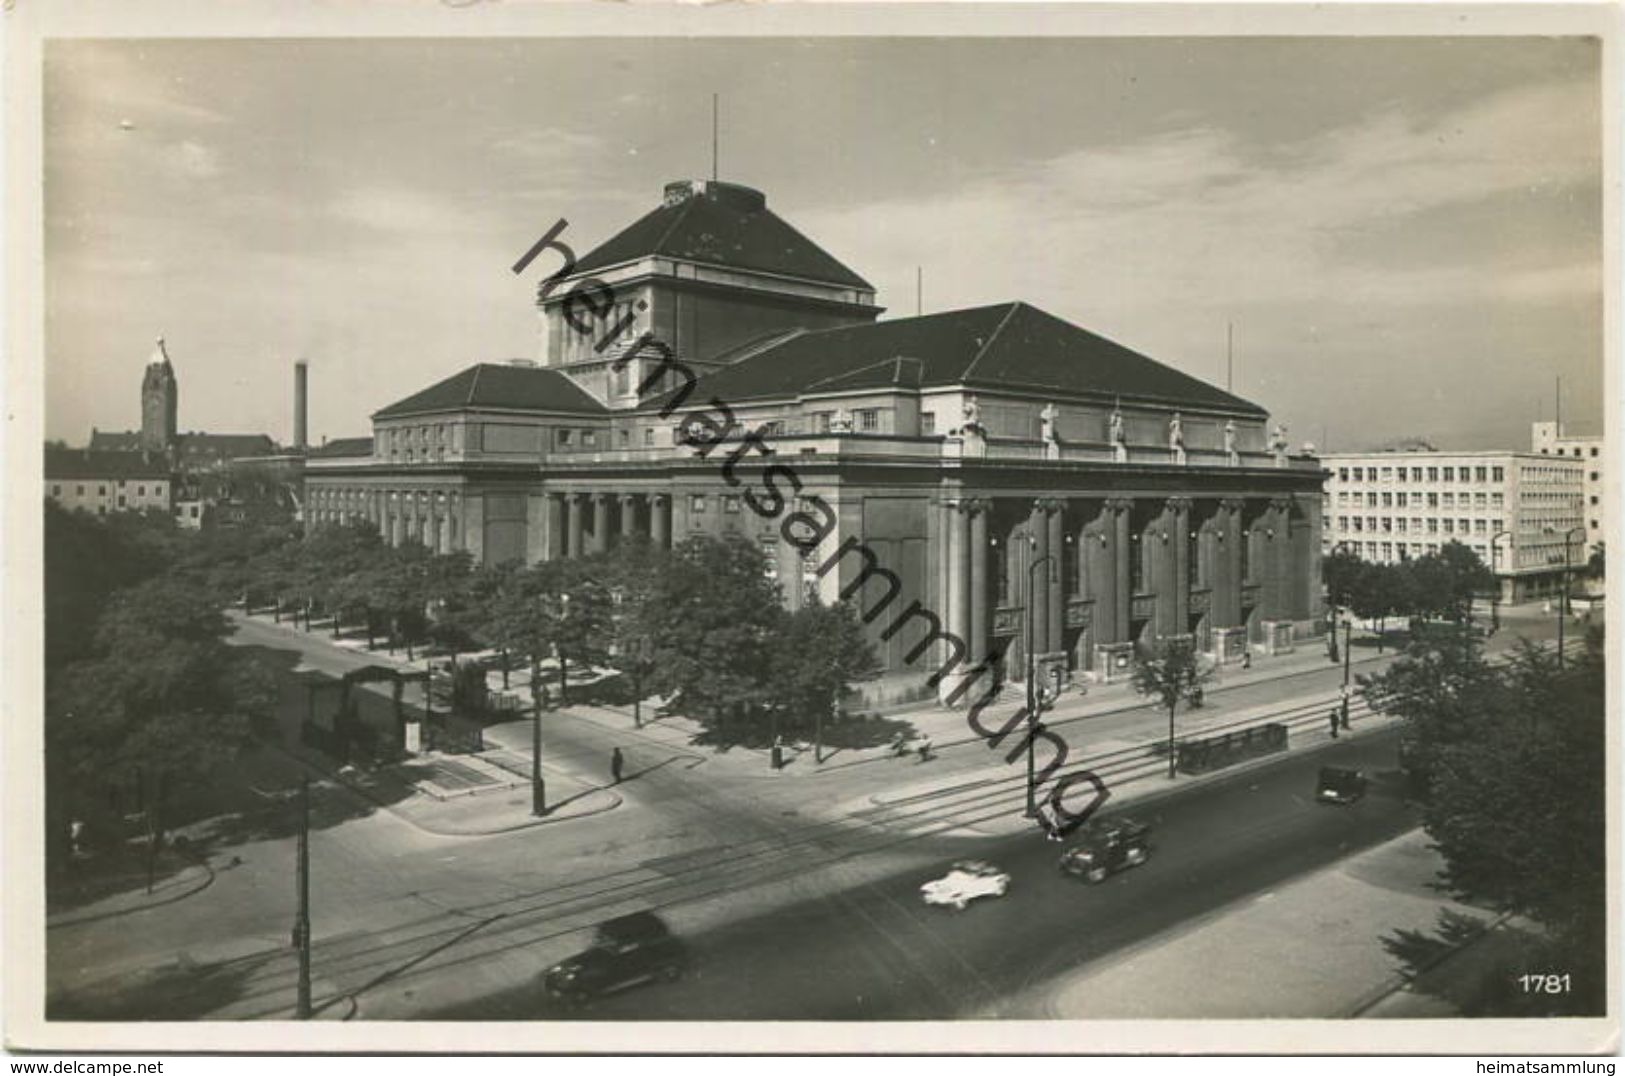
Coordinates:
(1340, 785)
(964, 882)
(1105, 847)
(627, 951)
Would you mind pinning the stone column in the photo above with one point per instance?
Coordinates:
(555, 506)
(1179, 521)
(1122, 551)
(1278, 591)
(956, 618)
(1225, 587)
(1056, 577)
(600, 522)
(577, 503)
(980, 611)
(788, 561)
(660, 519)
(1035, 584)
(629, 515)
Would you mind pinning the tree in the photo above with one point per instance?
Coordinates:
(1376, 594)
(1467, 577)
(1513, 760)
(160, 700)
(1174, 672)
(714, 618)
(87, 559)
(633, 572)
(820, 651)
(1341, 571)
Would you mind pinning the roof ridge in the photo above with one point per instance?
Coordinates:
(473, 385)
(688, 204)
(964, 375)
(878, 364)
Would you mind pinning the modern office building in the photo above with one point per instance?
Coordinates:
(1548, 439)
(1514, 509)
(710, 368)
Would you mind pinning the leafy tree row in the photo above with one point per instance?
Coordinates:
(702, 625)
(1438, 585)
(142, 694)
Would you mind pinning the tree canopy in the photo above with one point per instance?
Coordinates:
(1512, 757)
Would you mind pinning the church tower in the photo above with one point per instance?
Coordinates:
(160, 397)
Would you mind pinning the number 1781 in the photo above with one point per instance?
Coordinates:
(1544, 984)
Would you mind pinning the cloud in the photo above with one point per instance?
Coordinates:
(194, 160)
(1197, 218)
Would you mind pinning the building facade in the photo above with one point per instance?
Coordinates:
(102, 483)
(995, 473)
(1514, 509)
(1548, 439)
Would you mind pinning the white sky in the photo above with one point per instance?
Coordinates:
(1406, 233)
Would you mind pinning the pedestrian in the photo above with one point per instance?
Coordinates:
(1246, 659)
(76, 836)
(1334, 723)
(925, 750)
(616, 762)
(1343, 717)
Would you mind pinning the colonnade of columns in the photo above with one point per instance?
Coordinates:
(1058, 579)
(432, 517)
(578, 524)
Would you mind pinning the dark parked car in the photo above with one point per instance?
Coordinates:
(1106, 847)
(633, 949)
(1340, 785)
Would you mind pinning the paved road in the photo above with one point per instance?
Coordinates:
(746, 863)
(874, 951)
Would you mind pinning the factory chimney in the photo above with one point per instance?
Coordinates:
(300, 371)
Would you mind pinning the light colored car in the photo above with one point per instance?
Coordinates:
(964, 882)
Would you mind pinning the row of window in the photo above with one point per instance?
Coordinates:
(1433, 474)
(1388, 551)
(1547, 451)
(1404, 499)
(101, 489)
(1400, 525)
(864, 420)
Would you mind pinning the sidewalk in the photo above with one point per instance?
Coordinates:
(1322, 946)
(947, 728)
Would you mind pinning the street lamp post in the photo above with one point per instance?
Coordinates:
(538, 786)
(1563, 595)
(1348, 644)
(301, 924)
(1495, 595)
(1034, 696)
(564, 662)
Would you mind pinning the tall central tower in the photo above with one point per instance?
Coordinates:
(160, 402)
(709, 272)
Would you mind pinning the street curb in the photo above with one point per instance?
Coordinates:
(208, 880)
(1399, 981)
(453, 833)
(529, 823)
